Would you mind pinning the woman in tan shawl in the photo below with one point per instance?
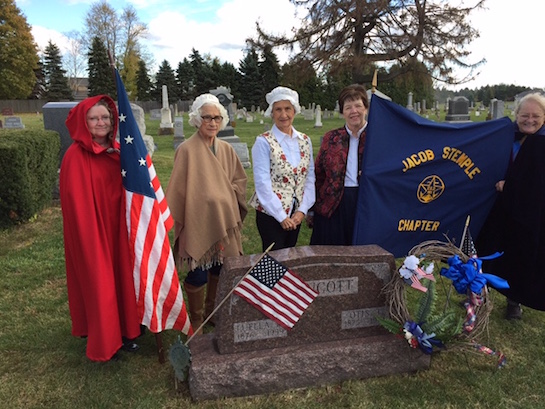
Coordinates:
(207, 198)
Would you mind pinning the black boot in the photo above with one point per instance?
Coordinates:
(513, 311)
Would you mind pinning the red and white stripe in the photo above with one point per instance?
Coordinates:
(284, 303)
(159, 296)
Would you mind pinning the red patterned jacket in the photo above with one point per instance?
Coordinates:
(330, 169)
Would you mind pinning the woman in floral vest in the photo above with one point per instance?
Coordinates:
(283, 173)
(338, 169)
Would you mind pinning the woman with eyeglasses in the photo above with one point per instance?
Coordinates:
(283, 173)
(101, 295)
(207, 199)
(516, 224)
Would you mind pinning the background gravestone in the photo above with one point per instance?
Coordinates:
(178, 131)
(497, 108)
(13, 122)
(55, 114)
(458, 110)
(226, 99)
(337, 338)
(242, 152)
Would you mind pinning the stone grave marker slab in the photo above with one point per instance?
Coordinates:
(337, 338)
(55, 114)
(242, 152)
(13, 122)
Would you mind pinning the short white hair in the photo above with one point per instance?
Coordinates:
(534, 96)
(282, 94)
(202, 100)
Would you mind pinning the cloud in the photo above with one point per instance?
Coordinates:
(220, 31)
(43, 35)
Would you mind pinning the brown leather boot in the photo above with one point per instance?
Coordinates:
(195, 303)
(210, 303)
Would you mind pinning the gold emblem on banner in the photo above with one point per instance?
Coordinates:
(430, 189)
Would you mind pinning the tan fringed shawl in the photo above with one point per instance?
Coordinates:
(207, 198)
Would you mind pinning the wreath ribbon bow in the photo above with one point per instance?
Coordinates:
(469, 275)
(426, 342)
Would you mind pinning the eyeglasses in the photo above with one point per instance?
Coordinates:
(207, 119)
(528, 116)
(95, 119)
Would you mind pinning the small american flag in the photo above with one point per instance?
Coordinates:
(277, 292)
(158, 294)
(468, 247)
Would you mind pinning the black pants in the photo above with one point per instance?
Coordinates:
(272, 232)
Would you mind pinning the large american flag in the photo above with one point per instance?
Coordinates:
(158, 294)
(277, 292)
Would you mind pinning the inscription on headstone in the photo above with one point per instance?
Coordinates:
(362, 318)
(254, 330)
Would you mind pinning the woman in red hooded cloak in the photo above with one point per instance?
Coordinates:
(101, 293)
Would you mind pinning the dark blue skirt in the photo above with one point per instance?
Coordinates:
(338, 229)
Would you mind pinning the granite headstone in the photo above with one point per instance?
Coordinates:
(337, 338)
(55, 114)
(458, 110)
(13, 122)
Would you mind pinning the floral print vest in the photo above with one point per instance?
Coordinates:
(288, 182)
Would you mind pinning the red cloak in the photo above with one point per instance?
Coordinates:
(101, 293)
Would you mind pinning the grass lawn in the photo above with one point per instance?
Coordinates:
(43, 366)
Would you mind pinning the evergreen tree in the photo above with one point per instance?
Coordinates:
(202, 74)
(18, 56)
(57, 88)
(302, 78)
(231, 78)
(40, 86)
(251, 85)
(165, 76)
(101, 80)
(184, 80)
(143, 82)
(269, 68)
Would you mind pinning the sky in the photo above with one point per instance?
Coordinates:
(510, 32)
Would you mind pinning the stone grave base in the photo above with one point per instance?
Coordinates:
(213, 376)
(166, 131)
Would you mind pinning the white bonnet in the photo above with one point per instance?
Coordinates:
(203, 99)
(282, 94)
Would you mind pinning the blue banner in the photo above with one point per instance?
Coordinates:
(421, 179)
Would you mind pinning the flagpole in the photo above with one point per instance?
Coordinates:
(374, 83)
(195, 332)
(465, 232)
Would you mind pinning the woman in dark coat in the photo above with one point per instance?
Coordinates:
(516, 224)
